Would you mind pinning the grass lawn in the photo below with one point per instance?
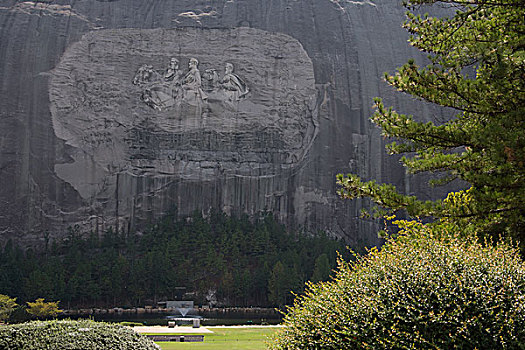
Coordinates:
(245, 338)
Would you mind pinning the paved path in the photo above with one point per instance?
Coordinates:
(174, 330)
(249, 326)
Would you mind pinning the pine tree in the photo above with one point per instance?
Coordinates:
(278, 285)
(484, 143)
(322, 269)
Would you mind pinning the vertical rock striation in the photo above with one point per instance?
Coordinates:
(119, 111)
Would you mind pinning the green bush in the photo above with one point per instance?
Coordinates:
(41, 309)
(131, 324)
(19, 315)
(85, 335)
(7, 306)
(426, 289)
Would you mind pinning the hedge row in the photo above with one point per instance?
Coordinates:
(66, 334)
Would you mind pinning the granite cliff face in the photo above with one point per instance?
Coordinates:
(119, 111)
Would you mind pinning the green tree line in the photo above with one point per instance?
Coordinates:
(242, 261)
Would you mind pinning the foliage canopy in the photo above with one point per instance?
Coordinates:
(68, 334)
(484, 144)
(41, 309)
(230, 256)
(427, 289)
(435, 286)
(7, 305)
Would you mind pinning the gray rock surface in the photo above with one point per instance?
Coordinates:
(80, 143)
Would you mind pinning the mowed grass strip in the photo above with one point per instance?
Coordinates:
(238, 338)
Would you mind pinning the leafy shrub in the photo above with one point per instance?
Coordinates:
(19, 315)
(84, 334)
(7, 306)
(426, 289)
(41, 309)
(131, 324)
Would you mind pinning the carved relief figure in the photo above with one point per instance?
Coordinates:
(174, 76)
(233, 86)
(191, 84)
(145, 75)
(210, 80)
(162, 90)
(172, 72)
(156, 92)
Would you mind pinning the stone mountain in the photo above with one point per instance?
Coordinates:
(119, 111)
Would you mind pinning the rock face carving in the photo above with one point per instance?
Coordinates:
(172, 72)
(158, 92)
(174, 90)
(192, 93)
(233, 86)
(129, 120)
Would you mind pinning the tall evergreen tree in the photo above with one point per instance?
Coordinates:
(484, 144)
(322, 269)
(213, 255)
(278, 285)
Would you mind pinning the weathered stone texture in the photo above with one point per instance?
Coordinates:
(80, 144)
